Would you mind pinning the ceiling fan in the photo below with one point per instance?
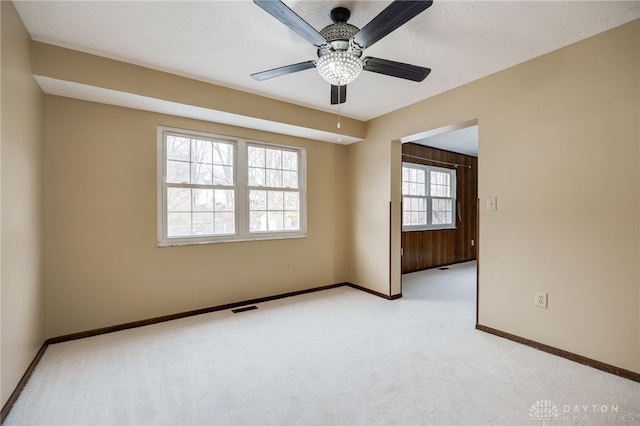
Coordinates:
(340, 45)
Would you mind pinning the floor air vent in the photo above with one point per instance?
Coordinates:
(444, 268)
(245, 309)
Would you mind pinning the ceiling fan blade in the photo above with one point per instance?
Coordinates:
(287, 69)
(282, 13)
(393, 16)
(396, 69)
(338, 90)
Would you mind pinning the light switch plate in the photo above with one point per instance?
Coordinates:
(492, 203)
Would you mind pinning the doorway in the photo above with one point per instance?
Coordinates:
(440, 225)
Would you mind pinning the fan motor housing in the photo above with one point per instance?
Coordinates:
(339, 33)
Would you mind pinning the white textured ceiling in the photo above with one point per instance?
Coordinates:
(463, 141)
(222, 42)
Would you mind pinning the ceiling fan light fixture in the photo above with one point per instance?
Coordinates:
(339, 68)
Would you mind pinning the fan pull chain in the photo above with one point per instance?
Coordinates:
(339, 117)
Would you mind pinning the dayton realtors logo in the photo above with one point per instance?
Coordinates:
(544, 410)
(600, 413)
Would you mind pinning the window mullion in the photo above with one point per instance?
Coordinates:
(242, 190)
(198, 186)
(427, 192)
(162, 186)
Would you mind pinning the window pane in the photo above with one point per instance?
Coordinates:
(290, 160)
(290, 179)
(409, 218)
(413, 181)
(440, 191)
(292, 221)
(276, 221)
(223, 153)
(257, 177)
(274, 158)
(275, 200)
(275, 168)
(178, 224)
(414, 204)
(258, 200)
(179, 199)
(192, 161)
(413, 188)
(202, 173)
(190, 212)
(291, 201)
(202, 200)
(438, 218)
(178, 171)
(441, 205)
(178, 148)
(256, 156)
(274, 178)
(202, 223)
(258, 221)
(201, 151)
(225, 223)
(440, 184)
(422, 218)
(222, 175)
(274, 211)
(412, 175)
(224, 200)
(442, 212)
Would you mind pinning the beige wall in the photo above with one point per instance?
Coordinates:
(559, 147)
(69, 65)
(369, 179)
(103, 266)
(21, 260)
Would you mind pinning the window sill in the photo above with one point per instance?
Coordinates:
(176, 243)
(448, 228)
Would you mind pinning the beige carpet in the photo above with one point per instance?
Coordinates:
(336, 357)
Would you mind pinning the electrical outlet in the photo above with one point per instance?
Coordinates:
(289, 265)
(541, 299)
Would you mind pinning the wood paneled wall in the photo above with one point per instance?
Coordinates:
(429, 249)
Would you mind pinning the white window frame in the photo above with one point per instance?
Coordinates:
(241, 191)
(428, 198)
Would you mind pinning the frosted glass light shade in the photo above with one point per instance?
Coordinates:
(339, 68)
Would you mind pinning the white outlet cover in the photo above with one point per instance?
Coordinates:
(541, 299)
